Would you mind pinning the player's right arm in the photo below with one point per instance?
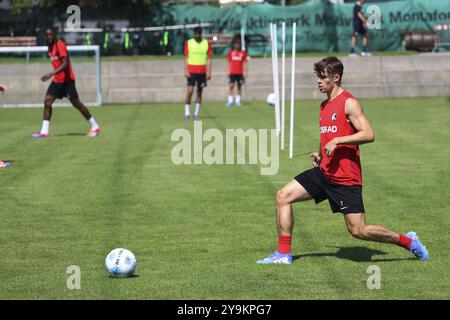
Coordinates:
(63, 55)
(2, 88)
(186, 68)
(186, 64)
(61, 68)
(229, 59)
(316, 158)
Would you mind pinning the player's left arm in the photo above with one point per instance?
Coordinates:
(62, 67)
(2, 88)
(245, 67)
(208, 67)
(209, 62)
(362, 18)
(364, 133)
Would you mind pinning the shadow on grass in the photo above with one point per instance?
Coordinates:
(129, 277)
(70, 134)
(356, 254)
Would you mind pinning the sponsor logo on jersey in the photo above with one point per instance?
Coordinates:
(326, 129)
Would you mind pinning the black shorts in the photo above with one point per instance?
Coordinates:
(236, 78)
(61, 90)
(344, 199)
(359, 31)
(197, 79)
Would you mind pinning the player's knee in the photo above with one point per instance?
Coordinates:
(76, 104)
(48, 104)
(356, 231)
(281, 197)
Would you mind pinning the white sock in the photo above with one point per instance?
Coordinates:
(238, 99)
(45, 126)
(230, 99)
(93, 124)
(197, 109)
(187, 109)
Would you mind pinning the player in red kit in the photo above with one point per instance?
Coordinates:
(336, 173)
(63, 85)
(238, 70)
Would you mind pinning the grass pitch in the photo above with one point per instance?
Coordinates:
(197, 230)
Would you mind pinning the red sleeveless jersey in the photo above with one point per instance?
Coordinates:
(344, 166)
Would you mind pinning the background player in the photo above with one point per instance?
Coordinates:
(336, 175)
(197, 69)
(238, 70)
(3, 164)
(359, 29)
(63, 85)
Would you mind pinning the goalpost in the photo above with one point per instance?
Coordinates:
(21, 69)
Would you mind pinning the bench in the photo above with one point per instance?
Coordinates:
(18, 41)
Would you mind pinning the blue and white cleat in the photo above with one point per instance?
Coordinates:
(187, 116)
(39, 135)
(277, 258)
(4, 164)
(229, 104)
(238, 104)
(417, 248)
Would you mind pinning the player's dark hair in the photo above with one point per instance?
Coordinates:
(329, 66)
(236, 39)
(198, 29)
(53, 29)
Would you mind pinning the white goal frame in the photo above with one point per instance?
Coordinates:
(98, 71)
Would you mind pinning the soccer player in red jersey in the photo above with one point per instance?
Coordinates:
(336, 173)
(3, 164)
(238, 70)
(63, 85)
(197, 69)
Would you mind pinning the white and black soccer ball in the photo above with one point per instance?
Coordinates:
(120, 263)
(271, 99)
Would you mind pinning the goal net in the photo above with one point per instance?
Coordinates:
(21, 69)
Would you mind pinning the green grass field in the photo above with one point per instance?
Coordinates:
(197, 230)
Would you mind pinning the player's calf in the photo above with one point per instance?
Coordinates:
(95, 128)
(48, 109)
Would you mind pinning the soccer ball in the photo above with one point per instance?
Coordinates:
(271, 99)
(120, 263)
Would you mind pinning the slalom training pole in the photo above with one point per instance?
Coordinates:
(276, 81)
(291, 128)
(273, 38)
(283, 81)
